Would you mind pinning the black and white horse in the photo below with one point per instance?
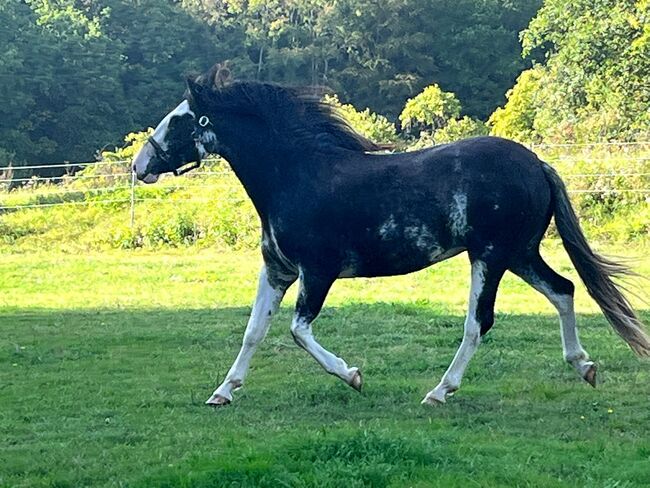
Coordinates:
(331, 206)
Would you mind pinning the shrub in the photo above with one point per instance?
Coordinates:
(375, 127)
(431, 109)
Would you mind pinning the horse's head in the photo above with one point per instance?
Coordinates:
(184, 136)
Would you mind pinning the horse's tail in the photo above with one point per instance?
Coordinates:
(596, 272)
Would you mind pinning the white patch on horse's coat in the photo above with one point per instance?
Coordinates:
(144, 155)
(496, 206)
(458, 215)
(573, 351)
(457, 163)
(411, 232)
(160, 131)
(471, 338)
(276, 248)
(387, 229)
(201, 149)
(302, 333)
(208, 137)
(421, 236)
(438, 254)
(267, 302)
(348, 271)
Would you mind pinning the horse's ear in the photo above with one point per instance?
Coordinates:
(219, 75)
(193, 87)
(222, 77)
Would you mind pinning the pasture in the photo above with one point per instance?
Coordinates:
(107, 358)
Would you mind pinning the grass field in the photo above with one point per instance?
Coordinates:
(106, 359)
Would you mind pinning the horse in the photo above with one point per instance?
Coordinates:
(332, 204)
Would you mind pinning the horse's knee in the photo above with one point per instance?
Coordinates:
(300, 330)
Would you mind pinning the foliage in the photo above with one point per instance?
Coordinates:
(611, 187)
(132, 144)
(45, 106)
(78, 74)
(375, 127)
(457, 129)
(431, 109)
(435, 114)
(389, 51)
(516, 120)
(591, 83)
(208, 208)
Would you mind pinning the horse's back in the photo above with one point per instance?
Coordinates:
(498, 193)
(484, 193)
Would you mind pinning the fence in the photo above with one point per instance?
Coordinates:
(113, 183)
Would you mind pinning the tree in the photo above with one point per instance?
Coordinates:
(378, 54)
(45, 102)
(516, 121)
(591, 80)
(431, 109)
(77, 75)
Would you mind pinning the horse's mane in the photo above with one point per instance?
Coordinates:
(297, 116)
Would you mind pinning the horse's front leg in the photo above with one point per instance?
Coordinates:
(269, 296)
(311, 296)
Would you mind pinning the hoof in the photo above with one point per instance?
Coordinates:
(434, 399)
(590, 375)
(357, 381)
(217, 401)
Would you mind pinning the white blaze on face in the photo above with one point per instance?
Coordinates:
(141, 160)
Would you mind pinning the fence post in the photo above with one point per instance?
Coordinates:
(132, 198)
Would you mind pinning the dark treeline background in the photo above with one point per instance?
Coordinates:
(79, 74)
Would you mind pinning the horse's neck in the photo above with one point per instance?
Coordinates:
(264, 168)
(260, 176)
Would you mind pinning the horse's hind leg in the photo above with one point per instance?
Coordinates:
(480, 317)
(311, 296)
(559, 291)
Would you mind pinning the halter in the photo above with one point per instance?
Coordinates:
(167, 166)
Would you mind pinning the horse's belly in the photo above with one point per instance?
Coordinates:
(395, 262)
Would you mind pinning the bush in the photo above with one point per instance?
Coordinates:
(609, 187)
(516, 119)
(457, 129)
(430, 110)
(375, 127)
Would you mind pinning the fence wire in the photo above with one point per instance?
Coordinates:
(95, 182)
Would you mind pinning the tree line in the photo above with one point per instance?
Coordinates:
(76, 75)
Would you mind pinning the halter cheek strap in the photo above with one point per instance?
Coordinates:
(159, 151)
(162, 155)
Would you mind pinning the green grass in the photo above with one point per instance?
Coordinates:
(106, 359)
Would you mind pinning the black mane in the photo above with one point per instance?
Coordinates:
(298, 116)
